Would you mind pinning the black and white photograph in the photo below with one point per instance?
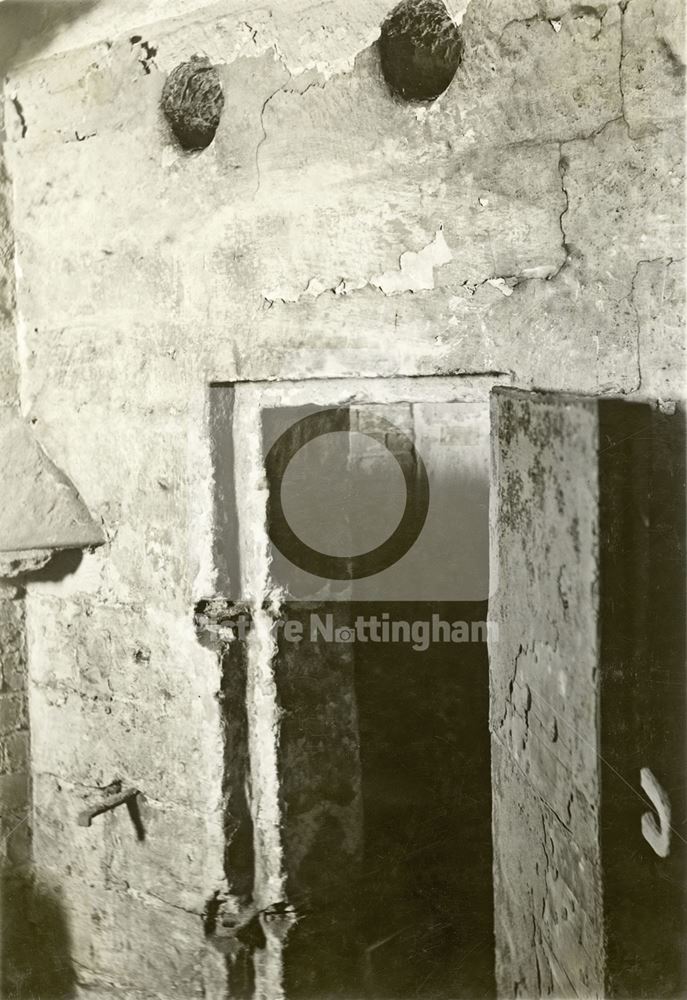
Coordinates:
(343, 500)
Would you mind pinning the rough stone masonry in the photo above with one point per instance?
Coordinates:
(526, 225)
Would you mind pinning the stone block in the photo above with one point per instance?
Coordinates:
(14, 753)
(119, 939)
(105, 738)
(12, 712)
(625, 204)
(14, 793)
(659, 297)
(538, 77)
(12, 644)
(653, 66)
(169, 863)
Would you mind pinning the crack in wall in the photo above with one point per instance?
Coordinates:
(621, 86)
(263, 140)
(638, 348)
(284, 88)
(18, 107)
(563, 164)
(508, 701)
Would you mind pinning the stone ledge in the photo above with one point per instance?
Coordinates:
(46, 513)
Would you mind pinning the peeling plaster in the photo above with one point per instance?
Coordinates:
(415, 274)
(506, 288)
(297, 31)
(416, 269)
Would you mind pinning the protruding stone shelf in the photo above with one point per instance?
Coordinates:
(46, 513)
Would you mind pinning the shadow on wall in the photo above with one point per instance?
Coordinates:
(60, 566)
(36, 943)
(29, 26)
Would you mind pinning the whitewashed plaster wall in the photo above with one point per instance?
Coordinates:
(528, 224)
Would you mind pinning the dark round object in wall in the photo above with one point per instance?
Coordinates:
(420, 48)
(192, 101)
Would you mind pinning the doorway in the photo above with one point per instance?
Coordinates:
(382, 684)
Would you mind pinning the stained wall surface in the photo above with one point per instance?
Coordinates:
(527, 223)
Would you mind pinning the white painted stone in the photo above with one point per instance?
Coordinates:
(42, 511)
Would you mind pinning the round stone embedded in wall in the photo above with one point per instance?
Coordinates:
(192, 101)
(420, 48)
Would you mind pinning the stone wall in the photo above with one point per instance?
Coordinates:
(527, 225)
(14, 724)
(14, 730)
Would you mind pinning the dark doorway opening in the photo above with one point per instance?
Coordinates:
(386, 770)
(426, 906)
(384, 755)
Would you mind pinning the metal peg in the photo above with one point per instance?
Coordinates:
(127, 796)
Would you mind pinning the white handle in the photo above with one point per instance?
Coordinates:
(657, 835)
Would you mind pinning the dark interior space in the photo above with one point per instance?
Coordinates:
(644, 694)
(411, 914)
(36, 942)
(384, 737)
(426, 902)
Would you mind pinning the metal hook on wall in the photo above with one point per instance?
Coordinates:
(131, 797)
(657, 835)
